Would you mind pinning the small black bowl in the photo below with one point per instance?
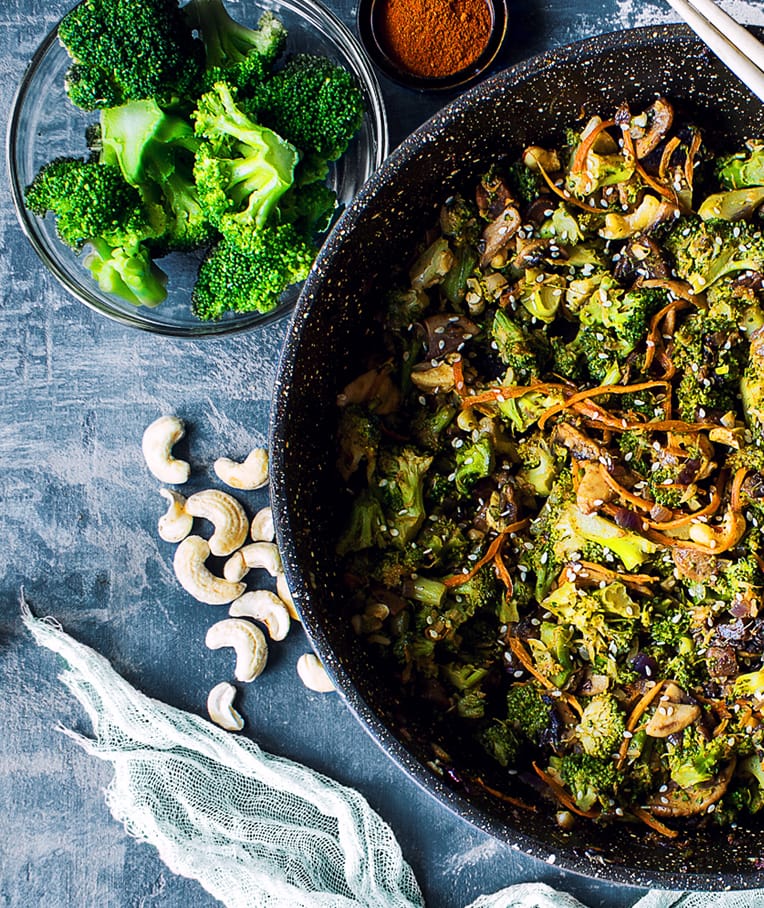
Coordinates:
(368, 20)
(329, 339)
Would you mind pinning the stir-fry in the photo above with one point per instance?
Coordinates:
(557, 474)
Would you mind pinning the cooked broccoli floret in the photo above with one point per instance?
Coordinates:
(358, 438)
(745, 168)
(428, 426)
(601, 726)
(695, 758)
(251, 280)
(128, 50)
(242, 168)
(404, 308)
(552, 652)
(710, 354)
(514, 347)
(539, 464)
(501, 742)
(704, 251)
(526, 184)
(752, 392)
(313, 103)
(95, 207)
(591, 781)
(393, 567)
(400, 478)
(529, 711)
(750, 684)
(155, 152)
(235, 54)
(473, 462)
(480, 591)
(442, 543)
(366, 525)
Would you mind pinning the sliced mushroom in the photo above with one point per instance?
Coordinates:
(374, 388)
(670, 718)
(719, 537)
(433, 378)
(498, 235)
(649, 128)
(581, 447)
(687, 802)
(492, 196)
(445, 333)
(593, 490)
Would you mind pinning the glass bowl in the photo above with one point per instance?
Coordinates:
(44, 125)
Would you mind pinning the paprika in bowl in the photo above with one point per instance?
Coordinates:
(432, 45)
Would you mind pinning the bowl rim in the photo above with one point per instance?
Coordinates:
(571, 859)
(349, 45)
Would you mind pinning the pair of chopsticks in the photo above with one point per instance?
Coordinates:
(732, 44)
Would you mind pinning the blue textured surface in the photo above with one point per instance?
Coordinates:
(78, 513)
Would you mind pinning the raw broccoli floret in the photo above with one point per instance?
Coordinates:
(252, 279)
(242, 168)
(601, 726)
(128, 50)
(743, 169)
(95, 207)
(590, 780)
(309, 208)
(155, 152)
(313, 103)
(704, 251)
(234, 53)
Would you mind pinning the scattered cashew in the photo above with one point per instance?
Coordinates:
(255, 555)
(195, 578)
(247, 640)
(157, 444)
(313, 674)
(285, 595)
(264, 606)
(262, 529)
(176, 523)
(220, 707)
(251, 474)
(226, 514)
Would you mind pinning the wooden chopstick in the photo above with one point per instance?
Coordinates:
(733, 45)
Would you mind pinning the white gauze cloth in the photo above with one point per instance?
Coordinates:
(252, 828)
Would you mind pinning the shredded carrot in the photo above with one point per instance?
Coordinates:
(654, 334)
(567, 196)
(585, 146)
(509, 392)
(626, 579)
(649, 820)
(642, 503)
(737, 483)
(660, 188)
(690, 159)
(634, 716)
(562, 796)
(523, 657)
(515, 802)
(711, 508)
(595, 392)
(504, 575)
(493, 548)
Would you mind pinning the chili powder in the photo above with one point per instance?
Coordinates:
(434, 38)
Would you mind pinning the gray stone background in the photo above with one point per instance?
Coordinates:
(78, 513)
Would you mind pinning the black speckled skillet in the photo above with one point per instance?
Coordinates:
(333, 325)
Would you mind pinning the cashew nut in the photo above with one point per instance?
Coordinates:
(176, 523)
(226, 514)
(255, 555)
(157, 444)
(247, 640)
(195, 577)
(220, 707)
(285, 595)
(251, 474)
(264, 606)
(313, 674)
(262, 529)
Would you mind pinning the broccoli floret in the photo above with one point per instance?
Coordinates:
(601, 726)
(400, 479)
(514, 347)
(696, 759)
(428, 426)
(590, 780)
(539, 464)
(315, 104)
(95, 207)
(403, 308)
(752, 393)
(242, 168)
(525, 184)
(459, 220)
(365, 527)
(358, 438)
(442, 543)
(128, 50)
(481, 591)
(750, 684)
(393, 567)
(704, 251)
(235, 54)
(710, 354)
(155, 152)
(473, 462)
(745, 168)
(501, 742)
(552, 654)
(309, 208)
(529, 712)
(251, 280)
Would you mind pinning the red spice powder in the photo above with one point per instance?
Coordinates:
(434, 38)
